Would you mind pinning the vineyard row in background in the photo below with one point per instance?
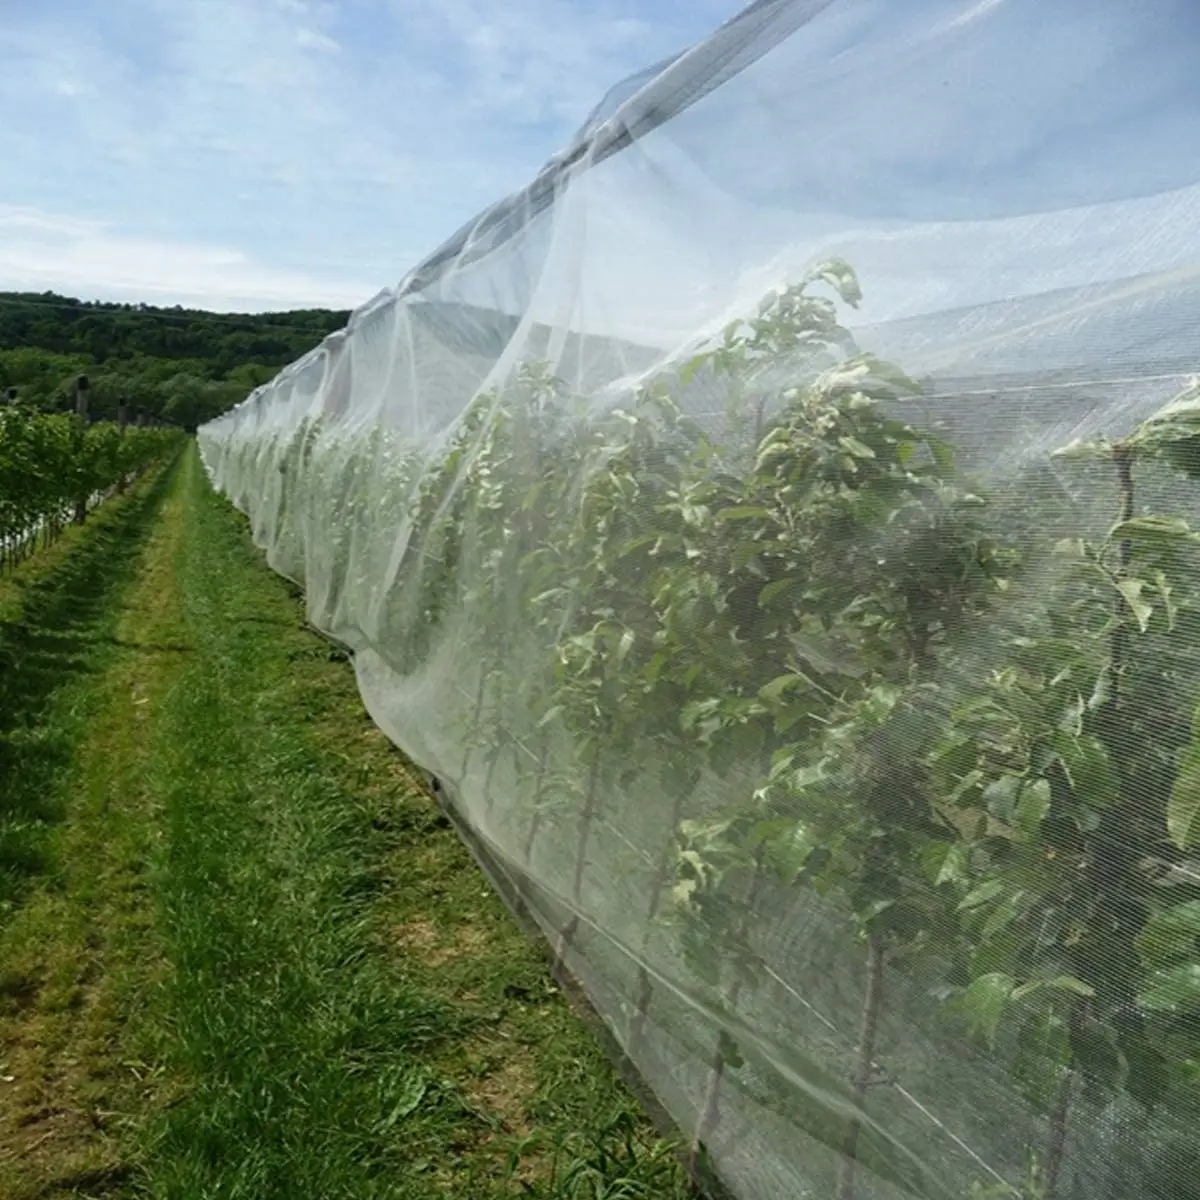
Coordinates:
(54, 468)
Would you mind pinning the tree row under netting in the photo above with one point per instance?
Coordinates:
(861, 790)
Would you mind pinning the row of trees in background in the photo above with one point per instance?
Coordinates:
(55, 467)
(969, 724)
(182, 366)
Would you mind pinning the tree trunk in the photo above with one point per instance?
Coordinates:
(710, 1112)
(539, 786)
(645, 987)
(122, 423)
(566, 938)
(1056, 1147)
(864, 1066)
(82, 402)
(1119, 648)
(493, 763)
(476, 718)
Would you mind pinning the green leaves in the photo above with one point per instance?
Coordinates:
(983, 894)
(1081, 448)
(986, 999)
(839, 275)
(1033, 806)
(1173, 433)
(775, 691)
(855, 448)
(1183, 808)
(1085, 761)
(1170, 935)
(743, 513)
(984, 1002)
(1132, 589)
(1173, 991)
(49, 463)
(1060, 983)
(945, 862)
(1153, 530)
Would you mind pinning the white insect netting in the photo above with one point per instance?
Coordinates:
(775, 528)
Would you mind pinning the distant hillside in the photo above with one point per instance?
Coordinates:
(183, 365)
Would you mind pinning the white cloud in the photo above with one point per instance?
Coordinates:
(47, 251)
(547, 59)
(342, 140)
(311, 39)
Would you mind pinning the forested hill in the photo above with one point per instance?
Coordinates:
(182, 365)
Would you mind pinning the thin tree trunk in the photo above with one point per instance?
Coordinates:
(645, 987)
(1119, 648)
(863, 1068)
(1112, 732)
(493, 763)
(1056, 1148)
(475, 720)
(566, 938)
(536, 818)
(539, 787)
(710, 1114)
(82, 401)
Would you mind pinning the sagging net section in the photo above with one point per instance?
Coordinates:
(779, 529)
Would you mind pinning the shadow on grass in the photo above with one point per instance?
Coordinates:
(66, 617)
(149, 647)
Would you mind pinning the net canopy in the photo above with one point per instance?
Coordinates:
(775, 527)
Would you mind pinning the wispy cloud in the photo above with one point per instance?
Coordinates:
(312, 39)
(42, 251)
(329, 145)
(541, 60)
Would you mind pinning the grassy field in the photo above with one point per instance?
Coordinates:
(242, 954)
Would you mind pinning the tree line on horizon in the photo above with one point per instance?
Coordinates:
(183, 366)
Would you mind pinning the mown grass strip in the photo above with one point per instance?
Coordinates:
(58, 615)
(79, 956)
(353, 1012)
(251, 958)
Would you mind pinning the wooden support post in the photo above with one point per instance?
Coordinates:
(122, 424)
(83, 396)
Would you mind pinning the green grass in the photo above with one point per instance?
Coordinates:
(57, 616)
(296, 983)
(80, 960)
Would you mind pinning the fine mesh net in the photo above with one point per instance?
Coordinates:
(775, 529)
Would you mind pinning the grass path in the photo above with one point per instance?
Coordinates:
(241, 952)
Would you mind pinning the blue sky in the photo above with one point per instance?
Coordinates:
(251, 154)
(956, 152)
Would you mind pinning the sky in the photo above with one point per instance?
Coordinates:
(258, 154)
(247, 155)
(956, 152)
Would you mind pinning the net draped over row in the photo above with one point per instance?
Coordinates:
(777, 528)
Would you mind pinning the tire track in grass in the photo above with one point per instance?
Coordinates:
(306, 1048)
(57, 616)
(264, 966)
(358, 1014)
(80, 959)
